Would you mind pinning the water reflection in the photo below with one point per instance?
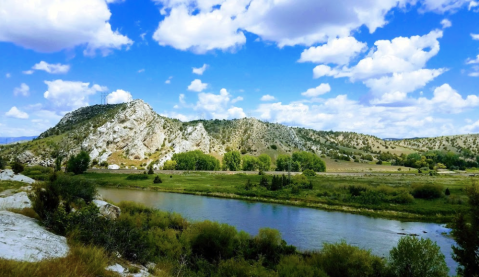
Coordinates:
(305, 228)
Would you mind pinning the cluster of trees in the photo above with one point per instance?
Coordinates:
(78, 163)
(279, 182)
(436, 159)
(193, 160)
(252, 163)
(300, 161)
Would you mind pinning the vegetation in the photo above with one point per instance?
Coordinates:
(194, 160)
(232, 161)
(17, 167)
(38, 173)
(3, 163)
(78, 163)
(300, 161)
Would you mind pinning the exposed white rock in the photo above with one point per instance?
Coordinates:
(114, 166)
(124, 272)
(22, 239)
(107, 210)
(8, 175)
(16, 201)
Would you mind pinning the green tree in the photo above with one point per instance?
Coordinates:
(282, 162)
(414, 257)
(195, 160)
(169, 165)
(465, 230)
(264, 162)
(250, 163)
(17, 167)
(2, 163)
(58, 163)
(232, 161)
(79, 163)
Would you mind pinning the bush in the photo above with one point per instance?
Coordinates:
(150, 170)
(403, 198)
(309, 173)
(17, 167)
(39, 173)
(447, 193)
(136, 177)
(417, 257)
(427, 191)
(79, 163)
(274, 147)
(169, 165)
(157, 180)
(3, 163)
(295, 266)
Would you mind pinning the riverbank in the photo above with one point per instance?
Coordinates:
(331, 193)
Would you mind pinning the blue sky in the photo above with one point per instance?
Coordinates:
(390, 68)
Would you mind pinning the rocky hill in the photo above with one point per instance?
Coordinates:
(132, 134)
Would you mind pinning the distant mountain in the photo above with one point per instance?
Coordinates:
(396, 139)
(9, 140)
(132, 134)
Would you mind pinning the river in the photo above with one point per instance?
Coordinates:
(305, 228)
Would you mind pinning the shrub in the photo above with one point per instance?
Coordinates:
(150, 170)
(17, 167)
(417, 257)
(274, 147)
(356, 190)
(295, 266)
(39, 173)
(136, 177)
(309, 173)
(169, 165)
(403, 198)
(248, 185)
(157, 180)
(2, 163)
(241, 268)
(79, 163)
(447, 192)
(427, 191)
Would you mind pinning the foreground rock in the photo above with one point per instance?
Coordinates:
(8, 175)
(107, 210)
(22, 239)
(15, 201)
(143, 272)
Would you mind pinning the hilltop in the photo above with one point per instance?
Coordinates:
(133, 134)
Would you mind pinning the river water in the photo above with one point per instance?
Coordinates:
(305, 228)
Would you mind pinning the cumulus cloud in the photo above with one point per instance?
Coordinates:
(16, 113)
(118, 96)
(319, 90)
(473, 61)
(70, 95)
(168, 81)
(442, 6)
(446, 23)
(218, 106)
(23, 90)
(52, 68)
(204, 25)
(337, 51)
(200, 70)
(475, 36)
(50, 26)
(197, 85)
(8, 75)
(28, 72)
(267, 97)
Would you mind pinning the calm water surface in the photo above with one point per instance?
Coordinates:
(305, 228)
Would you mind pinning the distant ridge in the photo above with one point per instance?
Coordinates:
(10, 140)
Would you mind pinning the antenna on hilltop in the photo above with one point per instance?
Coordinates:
(103, 96)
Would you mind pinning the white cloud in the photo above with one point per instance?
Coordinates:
(472, 5)
(141, 70)
(23, 90)
(471, 128)
(200, 70)
(237, 99)
(319, 90)
(337, 51)
(168, 81)
(322, 70)
(218, 106)
(475, 36)
(442, 6)
(474, 74)
(267, 97)
(52, 68)
(8, 75)
(197, 85)
(448, 100)
(446, 23)
(204, 25)
(28, 72)
(16, 113)
(118, 96)
(50, 26)
(69, 95)
(473, 61)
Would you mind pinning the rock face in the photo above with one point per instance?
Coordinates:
(107, 210)
(22, 239)
(16, 201)
(8, 175)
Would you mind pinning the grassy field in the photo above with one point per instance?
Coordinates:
(380, 196)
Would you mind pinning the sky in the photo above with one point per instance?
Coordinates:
(389, 68)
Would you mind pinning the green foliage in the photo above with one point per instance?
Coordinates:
(169, 165)
(136, 177)
(58, 163)
(264, 162)
(3, 163)
(195, 160)
(150, 170)
(465, 230)
(344, 260)
(295, 266)
(427, 191)
(157, 180)
(447, 192)
(417, 258)
(250, 163)
(248, 185)
(300, 161)
(232, 161)
(309, 173)
(274, 147)
(17, 167)
(79, 163)
(38, 172)
(242, 268)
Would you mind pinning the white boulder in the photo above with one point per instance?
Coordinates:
(8, 175)
(22, 239)
(143, 271)
(15, 201)
(107, 210)
(114, 166)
